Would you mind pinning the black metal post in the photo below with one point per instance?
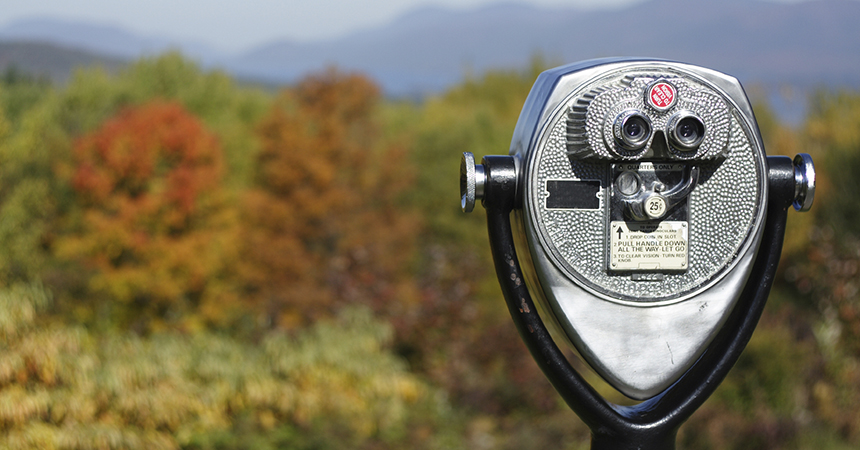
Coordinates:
(652, 424)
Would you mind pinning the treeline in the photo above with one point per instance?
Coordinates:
(186, 262)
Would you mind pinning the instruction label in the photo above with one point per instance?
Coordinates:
(648, 246)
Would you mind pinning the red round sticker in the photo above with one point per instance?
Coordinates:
(662, 95)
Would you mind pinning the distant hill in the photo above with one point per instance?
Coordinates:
(807, 43)
(103, 39)
(50, 61)
(801, 44)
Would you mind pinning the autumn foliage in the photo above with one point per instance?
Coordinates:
(186, 262)
(153, 227)
(323, 226)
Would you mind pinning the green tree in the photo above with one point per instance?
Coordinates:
(19, 92)
(29, 193)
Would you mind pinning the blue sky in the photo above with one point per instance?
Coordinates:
(240, 24)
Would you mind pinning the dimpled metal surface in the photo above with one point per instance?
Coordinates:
(722, 207)
(591, 115)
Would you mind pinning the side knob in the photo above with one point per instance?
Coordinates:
(472, 182)
(804, 182)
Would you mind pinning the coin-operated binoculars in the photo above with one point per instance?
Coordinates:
(637, 215)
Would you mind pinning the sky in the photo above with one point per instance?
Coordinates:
(237, 25)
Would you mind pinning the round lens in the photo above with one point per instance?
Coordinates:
(632, 130)
(686, 131)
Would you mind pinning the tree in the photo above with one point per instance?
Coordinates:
(324, 226)
(152, 224)
(38, 204)
(334, 385)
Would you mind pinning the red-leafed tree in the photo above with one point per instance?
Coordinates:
(154, 228)
(323, 225)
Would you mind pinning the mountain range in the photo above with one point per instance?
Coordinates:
(812, 43)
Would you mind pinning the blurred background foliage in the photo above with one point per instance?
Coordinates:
(191, 262)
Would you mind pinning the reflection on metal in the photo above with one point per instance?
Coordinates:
(646, 204)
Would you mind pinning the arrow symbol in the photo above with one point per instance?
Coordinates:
(619, 233)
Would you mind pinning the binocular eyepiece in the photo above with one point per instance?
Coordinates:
(646, 204)
(632, 130)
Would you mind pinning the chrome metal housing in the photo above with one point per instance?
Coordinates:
(639, 333)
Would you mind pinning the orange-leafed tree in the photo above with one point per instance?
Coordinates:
(153, 228)
(324, 225)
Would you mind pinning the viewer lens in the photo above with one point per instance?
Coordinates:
(632, 130)
(686, 131)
